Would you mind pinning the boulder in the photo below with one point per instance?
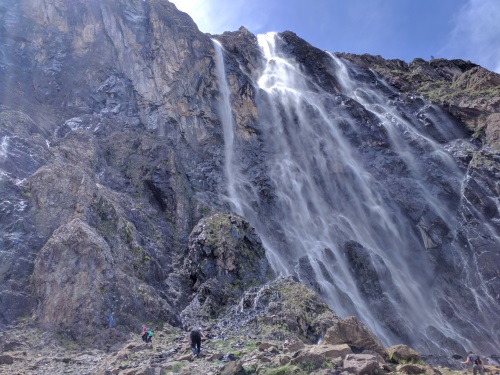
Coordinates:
(281, 360)
(295, 346)
(225, 258)
(233, 368)
(308, 359)
(361, 363)
(411, 369)
(398, 353)
(331, 351)
(352, 332)
(265, 346)
(214, 356)
(286, 308)
(6, 359)
(314, 356)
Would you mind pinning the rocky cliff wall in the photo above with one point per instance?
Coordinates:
(112, 150)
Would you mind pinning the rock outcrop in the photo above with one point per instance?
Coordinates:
(225, 259)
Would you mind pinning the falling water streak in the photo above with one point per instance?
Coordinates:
(4, 147)
(226, 115)
(401, 147)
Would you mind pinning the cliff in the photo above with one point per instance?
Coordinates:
(147, 170)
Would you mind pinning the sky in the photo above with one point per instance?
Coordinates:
(402, 29)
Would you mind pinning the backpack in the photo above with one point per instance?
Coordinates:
(477, 361)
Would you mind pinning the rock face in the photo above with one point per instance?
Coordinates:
(468, 91)
(225, 258)
(136, 178)
(94, 164)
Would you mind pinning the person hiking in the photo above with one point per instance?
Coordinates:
(196, 335)
(111, 319)
(477, 363)
(149, 335)
(144, 333)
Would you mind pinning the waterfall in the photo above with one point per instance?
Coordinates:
(226, 117)
(4, 147)
(363, 191)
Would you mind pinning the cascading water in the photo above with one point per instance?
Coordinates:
(226, 115)
(363, 190)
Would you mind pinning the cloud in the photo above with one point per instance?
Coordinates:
(476, 34)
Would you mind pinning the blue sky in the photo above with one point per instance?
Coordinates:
(404, 29)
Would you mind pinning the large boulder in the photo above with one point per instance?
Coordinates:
(285, 308)
(398, 353)
(352, 332)
(363, 364)
(78, 282)
(225, 258)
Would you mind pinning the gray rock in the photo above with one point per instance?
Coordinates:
(6, 359)
(352, 332)
(401, 352)
(233, 368)
(360, 364)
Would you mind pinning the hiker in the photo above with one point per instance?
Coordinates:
(196, 335)
(144, 333)
(111, 319)
(476, 361)
(149, 335)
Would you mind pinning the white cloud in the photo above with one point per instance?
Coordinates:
(476, 34)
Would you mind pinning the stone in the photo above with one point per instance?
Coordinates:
(214, 356)
(330, 351)
(360, 363)
(295, 346)
(352, 332)
(223, 249)
(233, 368)
(281, 360)
(308, 359)
(265, 346)
(6, 359)
(11, 346)
(186, 357)
(398, 353)
(411, 369)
